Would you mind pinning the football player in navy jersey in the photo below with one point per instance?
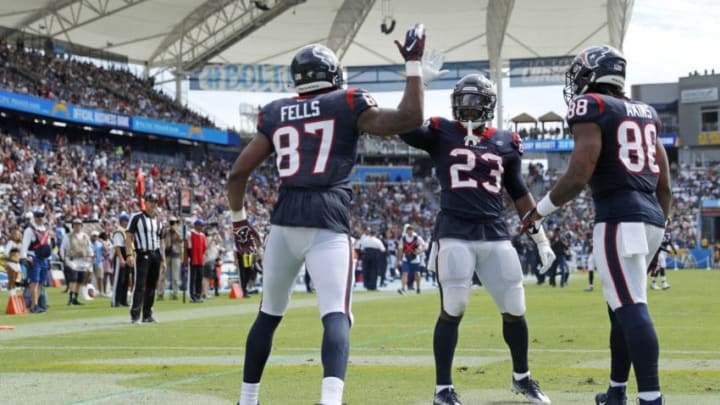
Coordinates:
(617, 153)
(314, 137)
(474, 164)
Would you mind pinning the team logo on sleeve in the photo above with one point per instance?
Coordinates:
(369, 99)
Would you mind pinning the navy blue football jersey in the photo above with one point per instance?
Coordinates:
(473, 171)
(315, 142)
(626, 175)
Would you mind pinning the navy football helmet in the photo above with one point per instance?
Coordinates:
(473, 100)
(594, 65)
(316, 67)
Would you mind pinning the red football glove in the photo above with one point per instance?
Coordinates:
(246, 237)
(414, 43)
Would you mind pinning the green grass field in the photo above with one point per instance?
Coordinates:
(92, 354)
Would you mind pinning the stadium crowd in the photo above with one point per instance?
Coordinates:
(73, 81)
(38, 172)
(94, 180)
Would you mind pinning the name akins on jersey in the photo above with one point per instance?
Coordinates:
(638, 110)
(300, 111)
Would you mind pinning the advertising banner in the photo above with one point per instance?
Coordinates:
(62, 111)
(278, 79)
(548, 71)
(71, 113)
(182, 131)
(241, 77)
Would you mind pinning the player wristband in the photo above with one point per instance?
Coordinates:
(413, 68)
(238, 216)
(546, 207)
(539, 236)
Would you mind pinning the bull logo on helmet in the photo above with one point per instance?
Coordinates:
(594, 56)
(327, 57)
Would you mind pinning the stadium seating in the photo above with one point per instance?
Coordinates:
(84, 83)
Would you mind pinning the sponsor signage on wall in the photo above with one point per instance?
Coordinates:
(699, 95)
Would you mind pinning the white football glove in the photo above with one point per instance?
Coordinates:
(431, 64)
(547, 256)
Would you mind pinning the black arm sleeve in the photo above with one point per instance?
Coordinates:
(514, 182)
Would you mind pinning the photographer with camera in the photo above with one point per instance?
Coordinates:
(409, 258)
(76, 252)
(173, 249)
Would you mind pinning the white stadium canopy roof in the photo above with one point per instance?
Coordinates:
(168, 32)
(182, 35)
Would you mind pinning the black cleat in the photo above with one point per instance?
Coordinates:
(530, 389)
(613, 396)
(149, 319)
(448, 396)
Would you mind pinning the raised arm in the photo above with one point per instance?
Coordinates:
(409, 113)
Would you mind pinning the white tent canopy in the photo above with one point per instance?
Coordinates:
(184, 34)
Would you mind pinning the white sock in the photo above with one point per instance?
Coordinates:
(249, 394)
(649, 395)
(520, 376)
(439, 388)
(618, 384)
(332, 391)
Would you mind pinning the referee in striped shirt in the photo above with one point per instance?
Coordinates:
(143, 233)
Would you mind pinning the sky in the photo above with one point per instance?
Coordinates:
(666, 40)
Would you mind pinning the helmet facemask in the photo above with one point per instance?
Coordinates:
(575, 84)
(473, 107)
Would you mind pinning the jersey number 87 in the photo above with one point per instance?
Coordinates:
(287, 143)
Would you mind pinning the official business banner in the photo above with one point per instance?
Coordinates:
(548, 145)
(278, 79)
(62, 111)
(548, 71)
(72, 113)
(182, 131)
(567, 145)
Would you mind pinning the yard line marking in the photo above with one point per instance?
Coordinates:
(362, 347)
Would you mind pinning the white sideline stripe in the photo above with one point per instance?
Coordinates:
(299, 360)
(313, 359)
(49, 346)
